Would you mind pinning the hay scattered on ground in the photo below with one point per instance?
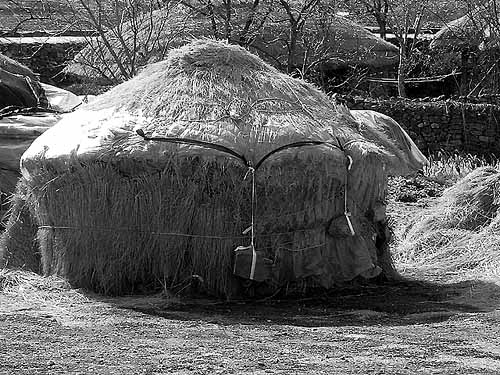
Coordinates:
(37, 289)
(460, 235)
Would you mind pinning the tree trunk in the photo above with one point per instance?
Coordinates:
(382, 25)
(402, 71)
(292, 48)
(464, 78)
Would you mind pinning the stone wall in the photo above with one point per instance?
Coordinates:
(442, 125)
(46, 59)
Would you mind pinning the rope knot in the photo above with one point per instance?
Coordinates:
(250, 170)
(349, 162)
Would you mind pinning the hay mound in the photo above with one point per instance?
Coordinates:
(18, 248)
(119, 212)
(461, 233)
(51, 291)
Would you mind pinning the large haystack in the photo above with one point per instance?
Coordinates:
(326, 40)
(460, 234)
(116, 210)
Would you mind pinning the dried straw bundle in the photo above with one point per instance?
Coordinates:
(18, 248)
(108, 232)
(460, 233)
(115, 212)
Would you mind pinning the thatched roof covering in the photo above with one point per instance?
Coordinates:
(331, 40)
(213, 92)
(335, 40)
(469, 31)
(12, 66)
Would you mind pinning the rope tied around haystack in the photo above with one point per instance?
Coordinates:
(251, 170)
(251, 228)
(347, 213)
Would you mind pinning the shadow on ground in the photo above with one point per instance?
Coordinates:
(405, 302)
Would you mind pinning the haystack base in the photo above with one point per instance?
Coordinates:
(18, 248)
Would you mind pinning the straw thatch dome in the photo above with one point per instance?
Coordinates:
(208, 91)
(116, 207)
(335, 41)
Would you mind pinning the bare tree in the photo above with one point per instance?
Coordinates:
(404, 19)
(369, 11)
(479, 37)
(237, 21)
(295, 36)
(129, 34)
(297, 14)
(36, 15)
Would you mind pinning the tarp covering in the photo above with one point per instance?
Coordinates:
(386, 132)
(20, 126)
(61, 100)
(20, 91)
(18, 132)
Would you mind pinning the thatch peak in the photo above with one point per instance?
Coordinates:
(471, 31)
(210, 55)
(213, 74)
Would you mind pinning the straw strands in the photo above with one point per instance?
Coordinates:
(166, 226)
(460, 233)
(118, 214)
(18, 248)
(34, 288)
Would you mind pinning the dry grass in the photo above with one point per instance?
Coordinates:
(117, 235)
(39, 290)
(17, 242)
(448, 168)
(459, 235)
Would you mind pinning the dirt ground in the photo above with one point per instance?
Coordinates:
(425, 324)
(405, 328)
